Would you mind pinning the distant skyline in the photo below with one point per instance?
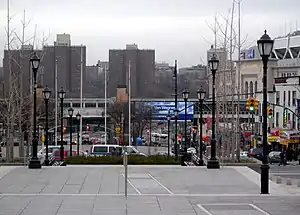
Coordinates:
(176, 29)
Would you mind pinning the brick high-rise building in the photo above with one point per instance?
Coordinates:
(68, 60)
(20, 75)
(142, 70)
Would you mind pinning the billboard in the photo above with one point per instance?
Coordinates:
(162, 109)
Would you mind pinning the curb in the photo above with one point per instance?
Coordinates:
(285, 181)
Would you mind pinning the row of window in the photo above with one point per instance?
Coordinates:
(250, 89)
(289, 74)
(84, 105)
(289, 98)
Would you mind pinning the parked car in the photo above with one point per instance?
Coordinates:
(42, 152)
(274, 157)
(67, 153)
(98, 150)
(256, 153)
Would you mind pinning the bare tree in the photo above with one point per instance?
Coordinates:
(17, 101)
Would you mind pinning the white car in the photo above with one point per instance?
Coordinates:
(50, 150)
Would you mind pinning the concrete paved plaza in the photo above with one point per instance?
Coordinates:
(152, 190)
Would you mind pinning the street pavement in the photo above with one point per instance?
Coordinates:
(168, 190)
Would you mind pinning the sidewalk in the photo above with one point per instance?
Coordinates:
(151, 190)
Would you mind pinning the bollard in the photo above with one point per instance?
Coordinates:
(288, 181)
(125, 162)
(279, 180)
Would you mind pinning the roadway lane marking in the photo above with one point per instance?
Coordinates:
(204, 209)
(132, 185)
(160, 184)
(259, 209)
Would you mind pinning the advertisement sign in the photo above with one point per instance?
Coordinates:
(161, 110)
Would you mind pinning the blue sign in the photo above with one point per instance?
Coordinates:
(162, 110)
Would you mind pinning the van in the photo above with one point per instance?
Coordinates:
(108, 149)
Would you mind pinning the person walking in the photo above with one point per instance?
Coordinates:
(282, 158)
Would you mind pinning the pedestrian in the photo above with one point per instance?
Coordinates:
(282, 158)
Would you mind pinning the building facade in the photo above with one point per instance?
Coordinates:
(142, 65)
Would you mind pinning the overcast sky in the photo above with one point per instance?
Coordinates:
(176, 29)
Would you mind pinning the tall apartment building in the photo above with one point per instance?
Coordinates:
(67, 57)
(142, 70)
(21, 73)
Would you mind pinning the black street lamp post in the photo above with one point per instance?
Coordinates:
(176, 117)
(185, 95)
(201, 96)
(70, 111)
(47, 94)
(61, 95)
(34, 162)
(176, 147)
(78, 116)
(213, 163)
(265, 47)
(169, 119)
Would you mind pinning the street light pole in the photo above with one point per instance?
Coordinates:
(34, 162)
(185, 95)
(70, 111)
(169, 119)
(213, 163)
(175, 94)
(201, 96)
(78, 116)
(61, 95)
(46, 94)
(265, 47)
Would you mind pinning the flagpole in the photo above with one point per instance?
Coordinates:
(81, 93)
(129, 103)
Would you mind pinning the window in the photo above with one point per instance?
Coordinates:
(67, 105)
(289, 98)
(90, 105)
(293, 122)
(101, 104)
(255, 87)
(251, 88)
(277, 119)
(101, 149)
(76, 105)
(277, 98)
(294, 98)
(246, 89)
(283, 98)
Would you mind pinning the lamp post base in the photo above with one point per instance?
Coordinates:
(201, 163)
(213, 164)
(47, 162)
(264, 178)
(34, 163)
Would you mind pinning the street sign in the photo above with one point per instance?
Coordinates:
(43, 138)
(118, 129)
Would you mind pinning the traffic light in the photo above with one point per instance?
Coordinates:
(270, 112)
(252, 104)
(248, 103)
